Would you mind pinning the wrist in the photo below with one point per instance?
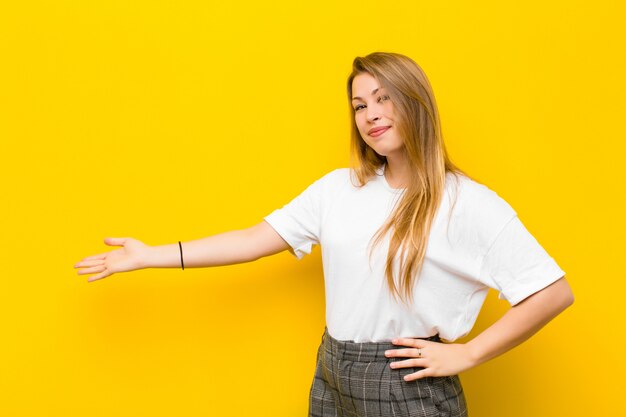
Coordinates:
(149, 260)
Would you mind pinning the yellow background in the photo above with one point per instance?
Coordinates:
(175, 120)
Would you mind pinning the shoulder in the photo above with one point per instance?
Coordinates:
(336, 177)
(477, 207)
(338, 174)
(476, 195)
(328, 183)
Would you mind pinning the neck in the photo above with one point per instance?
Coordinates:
(397, 171)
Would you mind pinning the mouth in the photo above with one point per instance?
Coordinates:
(377, 131)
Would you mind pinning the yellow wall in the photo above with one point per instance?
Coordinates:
(174, 120)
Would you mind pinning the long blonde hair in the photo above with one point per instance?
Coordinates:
(417, 122)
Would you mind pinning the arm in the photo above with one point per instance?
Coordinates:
(520, 322)
(234, 247)
(515, 326)
(237, 246)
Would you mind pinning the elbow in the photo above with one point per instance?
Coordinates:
(566, 295)
(558, 295)
(569, 299)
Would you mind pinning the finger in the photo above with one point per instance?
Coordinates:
(99, 276)
(406, 341)
(98, 256)
(411, 353)
(417, 375)
(115, 241)
(83, 264)
(91, 270)
(409, 363)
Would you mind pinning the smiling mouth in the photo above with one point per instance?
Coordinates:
(379, 132)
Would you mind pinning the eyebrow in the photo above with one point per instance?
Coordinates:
(359, 98)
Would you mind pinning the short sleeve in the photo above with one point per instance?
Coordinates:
(298, 222)
(517, 265)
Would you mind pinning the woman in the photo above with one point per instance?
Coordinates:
(410, 247)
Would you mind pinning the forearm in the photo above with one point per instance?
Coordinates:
(520, 322)
(226, 248)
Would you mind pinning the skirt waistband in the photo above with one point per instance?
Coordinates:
(361, 351)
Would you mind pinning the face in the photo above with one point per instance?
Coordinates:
(374, 115)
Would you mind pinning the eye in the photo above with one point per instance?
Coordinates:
(381, 98)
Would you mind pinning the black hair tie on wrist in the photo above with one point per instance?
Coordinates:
(181, 255)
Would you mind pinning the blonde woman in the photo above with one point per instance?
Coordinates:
(410, 247)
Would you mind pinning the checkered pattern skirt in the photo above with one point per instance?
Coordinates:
(355, 380)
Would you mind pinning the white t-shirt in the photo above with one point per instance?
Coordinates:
(484, 246)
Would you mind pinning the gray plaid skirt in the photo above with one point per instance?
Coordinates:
(355, 380)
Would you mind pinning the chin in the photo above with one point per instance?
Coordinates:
(385, 152)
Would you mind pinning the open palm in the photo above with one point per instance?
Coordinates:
(129, 257)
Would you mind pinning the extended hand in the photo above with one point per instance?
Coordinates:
(437, 359)
(128, 258)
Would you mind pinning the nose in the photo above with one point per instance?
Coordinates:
(372, 114)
